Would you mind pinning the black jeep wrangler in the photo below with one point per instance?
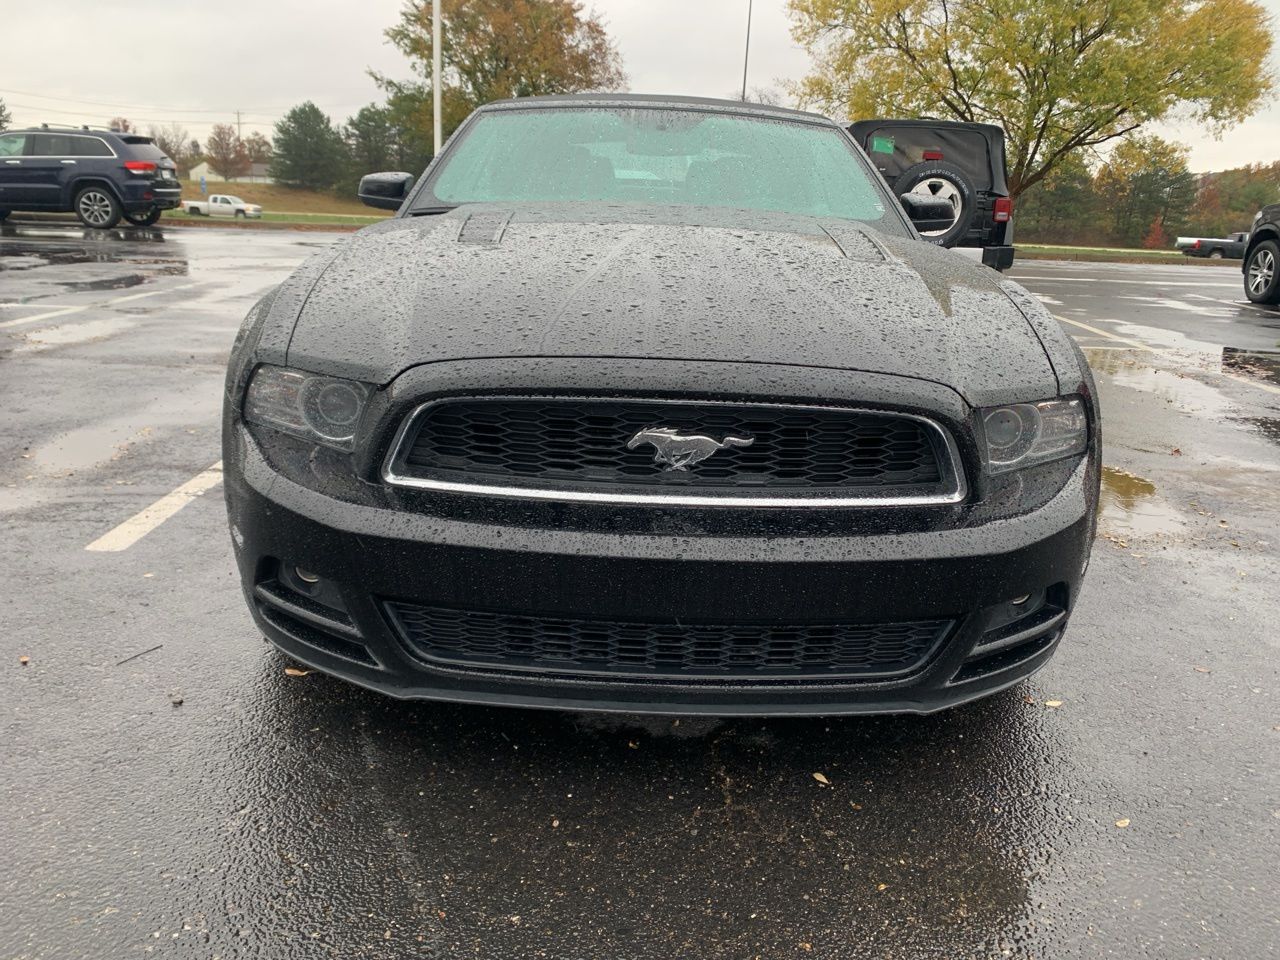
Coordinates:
(962, 163)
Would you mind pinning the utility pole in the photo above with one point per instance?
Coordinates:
(746, 54)
(238, 137)
(436, 79)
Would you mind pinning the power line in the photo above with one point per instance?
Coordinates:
(134, 119)
(32, 108)
(121, 106)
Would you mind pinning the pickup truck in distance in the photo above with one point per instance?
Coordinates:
(1230, 247)
(221, 205)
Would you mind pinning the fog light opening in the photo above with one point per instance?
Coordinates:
(306, 576)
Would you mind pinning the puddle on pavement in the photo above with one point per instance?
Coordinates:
(106, 440)
(1131, 369)
(1260, 364)
(73, 333)
(1266, 427)
(110, 283)
(27, 256)
(1131, 506)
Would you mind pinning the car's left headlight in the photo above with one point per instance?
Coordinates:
(326, 410)
(1024, 434)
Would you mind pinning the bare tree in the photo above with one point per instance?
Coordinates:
(172, 139)
(258, 147)
(226, 152)
(121, 124)
(766, 95)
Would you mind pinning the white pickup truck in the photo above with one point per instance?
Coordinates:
(221, 205)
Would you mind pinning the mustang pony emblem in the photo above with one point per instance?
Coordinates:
(676, 451)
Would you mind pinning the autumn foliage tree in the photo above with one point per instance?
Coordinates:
(1145, 180)
(493, 49)
(258, 147)
(226, 152)
(1156, 238)
(1059, 77)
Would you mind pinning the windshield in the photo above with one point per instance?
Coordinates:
(656, 156)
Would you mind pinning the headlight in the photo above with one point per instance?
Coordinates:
(1023, 434)
(308, 405)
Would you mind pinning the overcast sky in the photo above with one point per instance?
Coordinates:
(85, 61)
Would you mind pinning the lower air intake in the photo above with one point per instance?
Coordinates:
(665, 650)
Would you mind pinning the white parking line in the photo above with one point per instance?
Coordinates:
(47, 315)
(140, 524)
(1146, 283)
(1137, 345)
(90, 306)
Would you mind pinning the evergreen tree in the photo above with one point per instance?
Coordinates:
(308, 152)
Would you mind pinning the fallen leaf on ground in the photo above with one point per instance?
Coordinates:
(1177, 451)
(1053, 703)
(175, 699)
(882, 886)
(295, 672)
(822, 779)
(1202, 670)
(24, 660)
(1122, 823)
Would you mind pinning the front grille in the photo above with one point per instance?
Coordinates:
(583, 443)
(665, 650)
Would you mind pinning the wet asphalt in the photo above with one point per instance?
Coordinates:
(168, 790)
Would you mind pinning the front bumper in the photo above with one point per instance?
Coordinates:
(366, 555)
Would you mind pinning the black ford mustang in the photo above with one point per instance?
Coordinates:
(658, 404)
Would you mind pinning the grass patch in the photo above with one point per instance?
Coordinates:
(275, 199)
(1127, 251)
(1044, 251)
(332, 219)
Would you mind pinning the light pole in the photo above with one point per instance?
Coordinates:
(746, 54)
(436, 80)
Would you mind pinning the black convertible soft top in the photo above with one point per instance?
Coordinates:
(895, 145)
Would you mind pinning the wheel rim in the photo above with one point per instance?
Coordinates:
(1261, 271)
(940, 188)
(95, 207)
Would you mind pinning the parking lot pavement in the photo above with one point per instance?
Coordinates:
(170, 791)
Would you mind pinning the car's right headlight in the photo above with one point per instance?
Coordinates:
(322, 409)
(1021, 435)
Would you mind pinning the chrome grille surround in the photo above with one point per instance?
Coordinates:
(952, 488)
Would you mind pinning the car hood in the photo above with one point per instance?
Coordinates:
(492, 282)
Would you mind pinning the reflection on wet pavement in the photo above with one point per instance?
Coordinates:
(1263, 364)
(1131, 507)
(99, 254)
(1130, 369)
(511, 835)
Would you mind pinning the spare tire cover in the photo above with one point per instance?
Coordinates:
(943, 181)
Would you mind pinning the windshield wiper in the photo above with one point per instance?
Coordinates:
(428, 211)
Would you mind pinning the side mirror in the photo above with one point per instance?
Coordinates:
(385, 190)
(928, 213)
